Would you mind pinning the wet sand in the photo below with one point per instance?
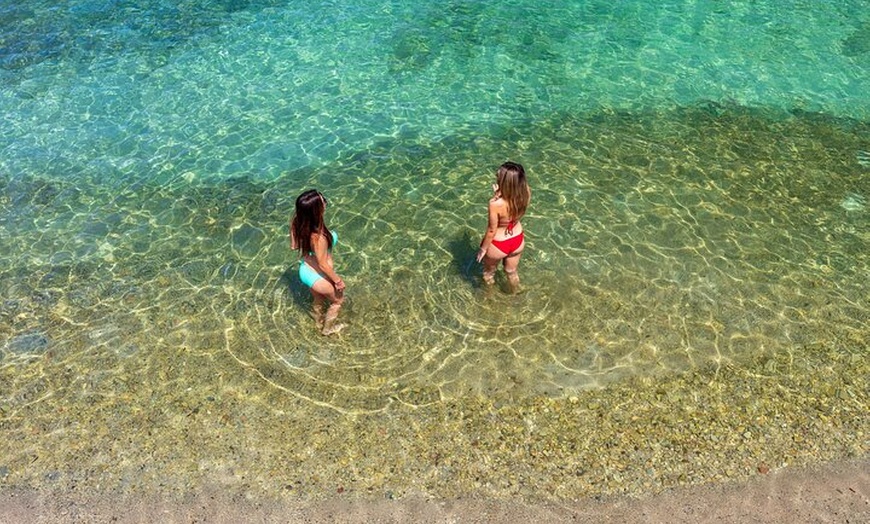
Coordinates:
(838, 492)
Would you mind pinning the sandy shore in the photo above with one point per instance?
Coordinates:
(837, 492)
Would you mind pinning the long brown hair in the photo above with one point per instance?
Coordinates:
(514, 189)
(308, 220)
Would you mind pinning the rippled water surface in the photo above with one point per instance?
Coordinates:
(700, 179)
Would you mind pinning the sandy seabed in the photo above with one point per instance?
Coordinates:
(834, 492)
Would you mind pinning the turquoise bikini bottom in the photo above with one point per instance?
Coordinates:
(308, 275)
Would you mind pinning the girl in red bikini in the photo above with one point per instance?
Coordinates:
(503, 240)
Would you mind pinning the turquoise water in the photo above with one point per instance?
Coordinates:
(212, 90)
(700, 175)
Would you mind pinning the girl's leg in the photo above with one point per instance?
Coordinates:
(490, 264)
(327, 291)
(489, 267)
(511, 264)
(329, 324)
(319, 301)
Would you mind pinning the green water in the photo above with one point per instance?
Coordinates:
(694, 289)
(659, 243)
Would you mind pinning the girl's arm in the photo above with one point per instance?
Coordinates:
(324, 262)
(491, 228)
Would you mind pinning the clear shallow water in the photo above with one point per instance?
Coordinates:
(659, 243)
(700, 181)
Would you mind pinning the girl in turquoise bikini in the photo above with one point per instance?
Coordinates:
(314, 241)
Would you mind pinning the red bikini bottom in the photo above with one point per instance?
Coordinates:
(509, 245)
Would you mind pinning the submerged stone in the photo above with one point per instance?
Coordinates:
(35, 342)
(858, 43)
(247, 240)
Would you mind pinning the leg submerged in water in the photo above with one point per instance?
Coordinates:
(317, 308)
(511, 263)
(330, 326)
(327, 293)
(489, 267)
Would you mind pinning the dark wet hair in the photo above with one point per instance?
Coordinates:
(308, 220)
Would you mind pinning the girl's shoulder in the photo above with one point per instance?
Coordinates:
(497, 201)
(317, 237)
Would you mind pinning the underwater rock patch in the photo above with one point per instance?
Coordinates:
(35, 342)
(858, 42)
(247, 240)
